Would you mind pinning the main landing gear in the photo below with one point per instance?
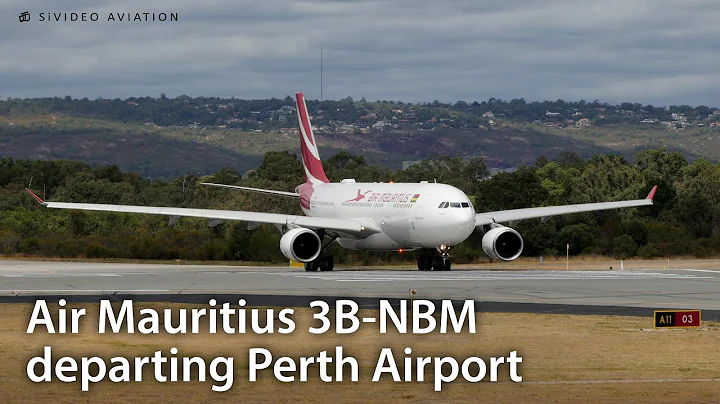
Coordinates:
(438, 260)
(322, 262)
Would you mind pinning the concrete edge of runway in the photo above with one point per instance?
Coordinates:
(363, 302)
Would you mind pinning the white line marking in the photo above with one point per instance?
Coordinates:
(488, 276)
(81, 290)
(56, 275)
(696, 270)
(485, 279)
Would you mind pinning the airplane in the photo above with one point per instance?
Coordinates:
(429, 218)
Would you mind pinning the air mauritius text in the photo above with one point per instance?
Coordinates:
(417, 317)
(240, 320)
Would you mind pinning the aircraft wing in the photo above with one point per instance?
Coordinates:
(356, 228)
(515, 215)
(265, 191)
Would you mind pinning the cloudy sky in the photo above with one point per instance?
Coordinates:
(661, 51)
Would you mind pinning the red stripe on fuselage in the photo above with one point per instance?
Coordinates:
(306, 191)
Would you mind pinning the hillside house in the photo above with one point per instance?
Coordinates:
(583, 122)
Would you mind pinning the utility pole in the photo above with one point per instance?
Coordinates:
(321, 72)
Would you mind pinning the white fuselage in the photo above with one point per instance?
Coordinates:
(409, 214)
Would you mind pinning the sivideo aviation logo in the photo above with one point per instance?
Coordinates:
(52, 17)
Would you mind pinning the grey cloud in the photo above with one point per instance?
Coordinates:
(659, 52)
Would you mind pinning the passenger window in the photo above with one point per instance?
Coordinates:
(454, 204)
(465, 204)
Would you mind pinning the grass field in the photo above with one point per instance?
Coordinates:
(523, 263)
(565, 359)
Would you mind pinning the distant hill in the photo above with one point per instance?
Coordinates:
(163, 137)
(149, 154)
(168, 152)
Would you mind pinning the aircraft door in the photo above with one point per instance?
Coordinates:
(418, 211)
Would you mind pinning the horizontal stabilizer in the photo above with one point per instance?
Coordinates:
(37, 198)
(264, 191)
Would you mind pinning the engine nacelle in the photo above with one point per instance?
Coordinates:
(502, 243)
(302, 245)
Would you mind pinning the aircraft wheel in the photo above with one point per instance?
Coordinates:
(311, 266)
(424, 263)
(327, 263)
(437, 263)
(441, 264)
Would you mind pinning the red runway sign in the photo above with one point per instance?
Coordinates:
(677, 318)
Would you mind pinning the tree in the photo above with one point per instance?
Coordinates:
(624, 247)
(579, 236)
(665, 164)
(520, 189)
(570, 160)
(226, 175)
(281, 166)
(455, 171)
(698, 201)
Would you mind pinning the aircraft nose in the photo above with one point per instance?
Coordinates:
(470, 220)
(466, 221)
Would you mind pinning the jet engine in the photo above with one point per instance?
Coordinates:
(302, 245)
(502, 243)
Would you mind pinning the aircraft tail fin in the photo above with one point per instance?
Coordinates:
(314, 172)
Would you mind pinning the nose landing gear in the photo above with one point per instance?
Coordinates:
(438, 259)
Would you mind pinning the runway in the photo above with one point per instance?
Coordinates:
(634, 292)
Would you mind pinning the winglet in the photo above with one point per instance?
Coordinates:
(651, 195)
(37, 198)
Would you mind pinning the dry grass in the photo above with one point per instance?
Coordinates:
(585, 262)
(554, 348)
(20, 257)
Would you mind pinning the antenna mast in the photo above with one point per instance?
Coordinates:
(321, 72)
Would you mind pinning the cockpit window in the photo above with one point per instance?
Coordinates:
(465, 204)
(441, 205)
(454, 204)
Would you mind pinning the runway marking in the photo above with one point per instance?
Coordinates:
(697, 270)
(82, 290)
(57, 275)
(487, 276)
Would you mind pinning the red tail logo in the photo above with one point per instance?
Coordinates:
(314, 172)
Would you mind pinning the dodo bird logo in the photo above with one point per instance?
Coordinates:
(360, 196)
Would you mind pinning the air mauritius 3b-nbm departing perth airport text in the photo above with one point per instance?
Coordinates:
(429, 218)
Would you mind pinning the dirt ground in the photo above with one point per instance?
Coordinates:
(566, 358)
